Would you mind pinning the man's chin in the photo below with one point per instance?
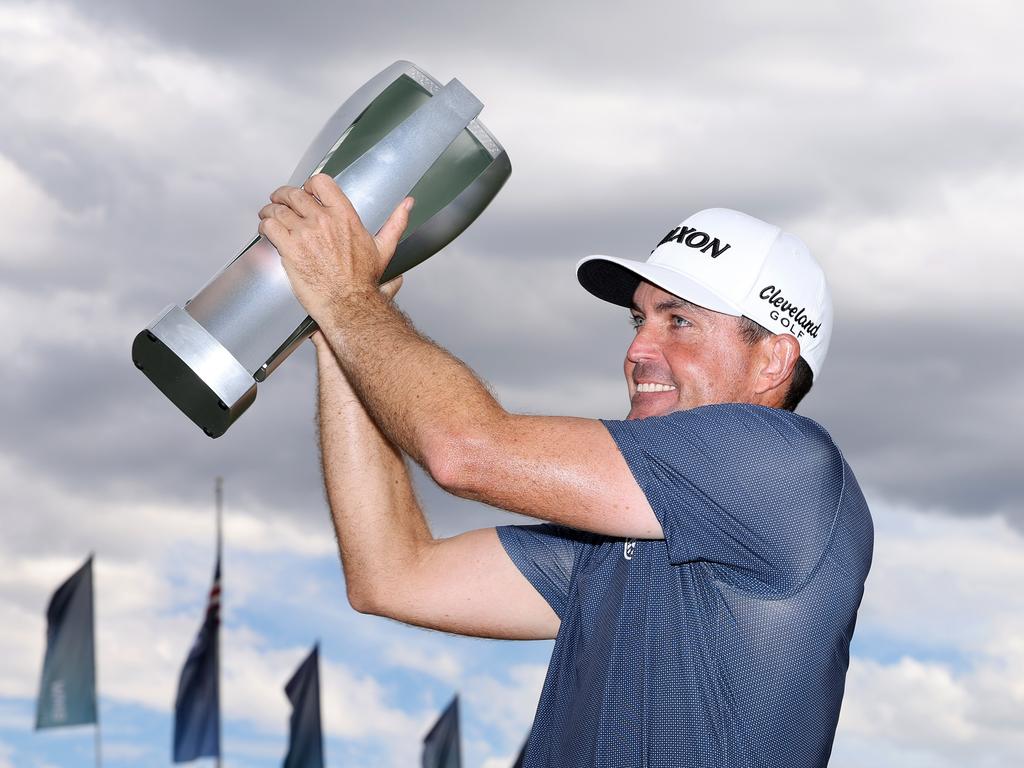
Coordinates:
(644, 410)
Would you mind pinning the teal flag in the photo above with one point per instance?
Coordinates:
(67, 692)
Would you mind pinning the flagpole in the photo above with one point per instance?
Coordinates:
(219, 493)
(96, 681)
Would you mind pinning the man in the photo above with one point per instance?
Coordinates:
(703, 560)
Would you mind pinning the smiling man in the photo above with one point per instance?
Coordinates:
(702, 561)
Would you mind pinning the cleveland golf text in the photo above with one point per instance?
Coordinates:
(796, 315)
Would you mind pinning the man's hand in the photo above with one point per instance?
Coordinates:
(324, 247)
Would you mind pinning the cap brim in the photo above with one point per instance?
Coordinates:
(615, 280)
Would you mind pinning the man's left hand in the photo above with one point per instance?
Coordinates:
(325, 249)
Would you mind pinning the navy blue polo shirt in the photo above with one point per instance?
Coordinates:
(726, 643)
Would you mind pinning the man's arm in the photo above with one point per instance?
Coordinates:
(427, 402)
(564, 470)
(393, 565)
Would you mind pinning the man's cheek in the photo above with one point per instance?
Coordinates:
(628, 373)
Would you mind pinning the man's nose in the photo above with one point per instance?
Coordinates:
(644, 345)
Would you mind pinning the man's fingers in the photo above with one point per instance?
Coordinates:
(391, 232)
(390, 288)
(300, 201)
(273, 230)
(327, 192)
(282, 213)
(317, 337)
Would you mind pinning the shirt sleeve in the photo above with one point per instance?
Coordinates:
(753, 490)
(545, 554)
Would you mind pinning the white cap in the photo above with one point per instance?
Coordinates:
(729, 262)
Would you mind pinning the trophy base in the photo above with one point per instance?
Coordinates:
(194, 370)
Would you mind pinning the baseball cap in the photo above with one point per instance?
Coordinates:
(727, 261)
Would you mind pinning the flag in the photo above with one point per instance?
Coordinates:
(67, 691)
(522, 756)
(441, 747)
(197, 707)
(305, 742)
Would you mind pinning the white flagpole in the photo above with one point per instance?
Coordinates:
(96, 671)
(219, 493)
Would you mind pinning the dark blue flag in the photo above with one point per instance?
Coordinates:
(522, 756)
(442, 746)
(67, 691)
(305, 742)
(197, 708)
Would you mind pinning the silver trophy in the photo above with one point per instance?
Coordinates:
(401, 133)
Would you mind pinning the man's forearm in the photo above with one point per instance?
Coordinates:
(423, 397)
(379, 524)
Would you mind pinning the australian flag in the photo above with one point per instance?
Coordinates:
(197, 708)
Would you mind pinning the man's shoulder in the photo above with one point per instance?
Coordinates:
(732, 449)
(738, 424)
(752, 414)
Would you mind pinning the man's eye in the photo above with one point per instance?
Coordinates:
(679, 321)
(636, 321)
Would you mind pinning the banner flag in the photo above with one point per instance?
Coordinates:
(197, 707)
(522, 756)
(442, 746)
(67, 691)
(305, 741)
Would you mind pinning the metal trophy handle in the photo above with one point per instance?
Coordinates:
(401, 133)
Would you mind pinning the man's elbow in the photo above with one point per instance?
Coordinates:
(361, 600)
(366, 593)
(456, 462)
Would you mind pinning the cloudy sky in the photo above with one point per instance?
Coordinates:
(137, 141)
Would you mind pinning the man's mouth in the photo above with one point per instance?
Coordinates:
(652, 387)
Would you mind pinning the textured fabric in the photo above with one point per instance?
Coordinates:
(726, 643)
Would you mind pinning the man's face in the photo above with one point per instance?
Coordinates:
(684, 356)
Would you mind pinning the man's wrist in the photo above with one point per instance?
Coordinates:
(347, 308)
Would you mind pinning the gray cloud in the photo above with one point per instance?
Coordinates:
(929, 415)
(777, 113)
(916, 423)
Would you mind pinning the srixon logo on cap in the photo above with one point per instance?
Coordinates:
(694, 238)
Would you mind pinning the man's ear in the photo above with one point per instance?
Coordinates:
(781, 351)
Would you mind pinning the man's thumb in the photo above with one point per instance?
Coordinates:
(389, 235)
